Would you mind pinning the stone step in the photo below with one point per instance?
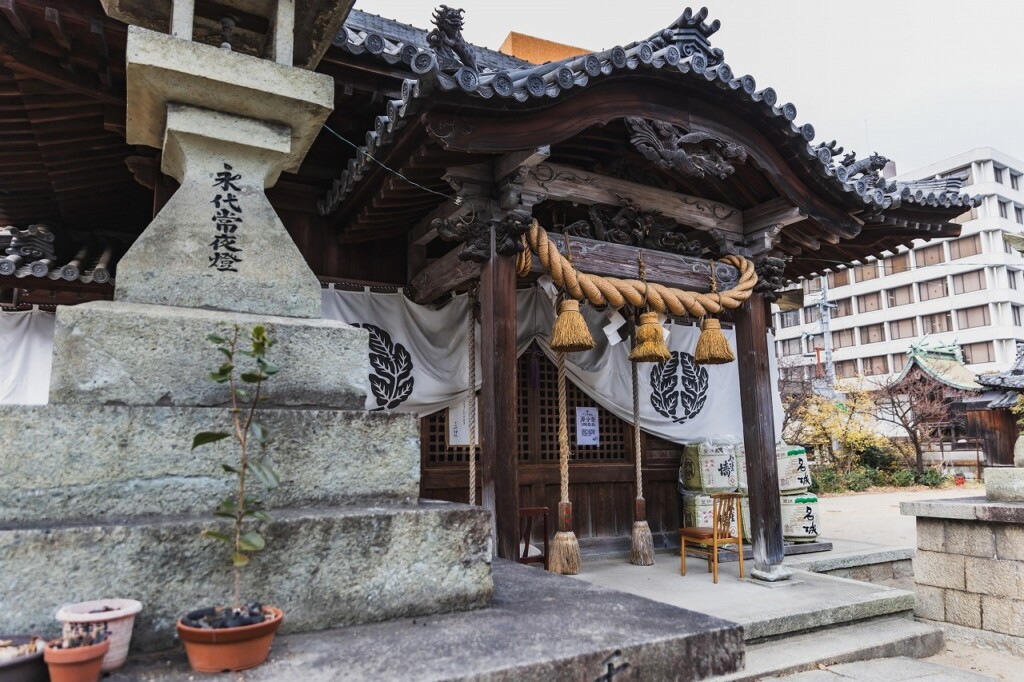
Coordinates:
(324, 567)
(898, 669)
(138, 354)
(539, 626)
(825, 601)
(864, 640)
(95, 462)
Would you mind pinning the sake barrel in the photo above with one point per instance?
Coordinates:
(794, 474)
(799, 517)
(745, 511)
(741, 468)
(698, 512)
(709, 467)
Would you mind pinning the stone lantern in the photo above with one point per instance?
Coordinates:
(218, 93)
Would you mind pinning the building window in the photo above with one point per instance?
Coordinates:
(869, 302)
(899, 361)
(1016, 315)
(815, 342)
(812, 286)
(897, 264)
(876, 365)
(968, 282)
(937, 323)
(977, 353)
(999, 174)
(873, 333)
(790, 318)
(934, 288)
(1011, 278)
(969, 318)
(902, 329)
(791, 347)
(794, 374)
(1004, 211)
(930, 255)
(846, 369)
(1018, 214)
(839, 278)
(843, 308)
(967, 246)
(812, 314)
(1015, 180)
(863, 273)
(900, 296)
(843, 338)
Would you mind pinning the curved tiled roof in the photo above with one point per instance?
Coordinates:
(944, 363)
(682, 50)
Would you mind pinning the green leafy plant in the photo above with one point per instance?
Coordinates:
(931, 478)
(826, 480)
(860, 479)
(904, 478)
(246, 388)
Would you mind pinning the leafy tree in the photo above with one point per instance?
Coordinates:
(847, 421)
(920, 406)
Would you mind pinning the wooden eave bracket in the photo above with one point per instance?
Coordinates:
(18, 57)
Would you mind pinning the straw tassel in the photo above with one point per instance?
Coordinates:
(642, 545)
(565, 550)
(650, 341)
(712, 346)
(570, 333)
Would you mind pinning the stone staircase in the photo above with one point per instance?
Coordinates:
(885, 636)
(858, 625)
(101, 494)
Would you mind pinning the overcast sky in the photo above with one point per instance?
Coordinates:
(915, 80)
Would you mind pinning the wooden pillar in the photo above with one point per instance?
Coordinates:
(759, 438)
(499, 480)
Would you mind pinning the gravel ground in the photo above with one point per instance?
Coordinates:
(874, 516)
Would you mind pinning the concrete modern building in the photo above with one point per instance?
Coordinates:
(968, 291)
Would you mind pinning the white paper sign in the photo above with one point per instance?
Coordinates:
(587, 430)
(458, 423)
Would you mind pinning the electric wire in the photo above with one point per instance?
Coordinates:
(371, 157)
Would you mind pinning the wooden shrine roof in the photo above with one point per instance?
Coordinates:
(850, 210)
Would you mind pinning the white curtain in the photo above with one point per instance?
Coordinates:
(418, 360)
(27, 342)
(423, 351)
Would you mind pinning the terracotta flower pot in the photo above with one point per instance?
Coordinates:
(81, 664)
(119, 619)
(30, 668)
(223, 649)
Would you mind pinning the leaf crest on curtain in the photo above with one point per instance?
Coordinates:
(668, 394)
(392, 380)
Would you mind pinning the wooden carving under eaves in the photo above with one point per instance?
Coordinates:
(770, 276)
(629, 224)
(446, 39)
(692, 155)
(476, 235)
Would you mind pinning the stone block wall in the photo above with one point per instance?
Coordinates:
(897, 573)
(971, 573)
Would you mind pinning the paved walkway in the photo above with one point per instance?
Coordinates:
(887, 669)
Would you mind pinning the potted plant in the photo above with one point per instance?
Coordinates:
(21, 659)
(238, 636)
(78, 655)
(118, 615)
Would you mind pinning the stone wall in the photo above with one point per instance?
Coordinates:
(971, 573)
(969, 567)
